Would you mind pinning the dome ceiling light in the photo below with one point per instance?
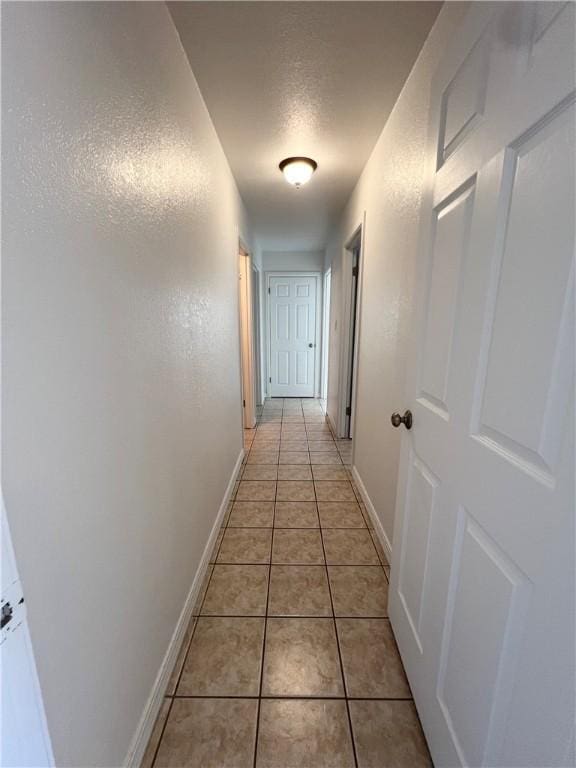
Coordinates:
(298, 170)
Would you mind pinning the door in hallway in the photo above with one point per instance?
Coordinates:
(482, 590)
(292, 304)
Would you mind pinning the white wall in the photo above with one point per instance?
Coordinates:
(121, 396)
(389, 191)
(293, 261)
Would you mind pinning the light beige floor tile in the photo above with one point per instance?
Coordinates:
(150, 753)
(388, 733)
(256, 490)
(260, 472)
(331, 459)
(359, 590)
(245, 545)
(224, 658)
(304, 734)
(328, 472)
(294, 457)
(293, 445)
(296, 514)
(289, 490)
(301, 658)
(237, 590)
(387, 571)
(180, 659)
(262, 457)
(297, 547)
(340, 514)
(322, 446)
(299, 590)
(349, 547)
(292, 472)
(372, 666)
(252, 514)
(209, 733)
(265, 446)
(333, 490)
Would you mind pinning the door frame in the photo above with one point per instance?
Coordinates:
(246, 334)
(317, 330)
(350, 344)
(326, 294)
(256, 285)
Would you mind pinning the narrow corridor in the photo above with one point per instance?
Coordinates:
(290, 660)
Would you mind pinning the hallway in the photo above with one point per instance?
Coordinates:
(287, 465)
(331, 691)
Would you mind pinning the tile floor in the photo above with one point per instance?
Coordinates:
(289, 660)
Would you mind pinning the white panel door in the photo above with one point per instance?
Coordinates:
(482, 590)
(292, 302)
(24, 738)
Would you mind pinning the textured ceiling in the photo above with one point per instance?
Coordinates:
(300, 78)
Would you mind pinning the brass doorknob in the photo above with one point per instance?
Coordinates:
(396, 419)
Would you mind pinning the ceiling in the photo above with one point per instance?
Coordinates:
(300, 78)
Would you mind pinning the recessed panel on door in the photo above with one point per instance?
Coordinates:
(282, 322)
(282, 290)
(283, 367)
(463, 101)
(302, 325)
(486, 613)
(451, 232)
(422, 485)
(528, 366)
(302, 367)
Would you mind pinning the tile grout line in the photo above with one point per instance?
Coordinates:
(249, 448)
(259, 707)
(296, 697)
(196, 618)
(338, 645)
(153, 763)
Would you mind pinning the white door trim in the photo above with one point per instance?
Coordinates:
(246, 327)
(358, 232)
(256, 288)
(326, 298)
(318, 328)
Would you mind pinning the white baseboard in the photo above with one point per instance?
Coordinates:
(150, 713)
(380, 532)
(331, 425)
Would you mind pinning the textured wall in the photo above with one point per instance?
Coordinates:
(121, 399)
(389, 191)
(306, 261)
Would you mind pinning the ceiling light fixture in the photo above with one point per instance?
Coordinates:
(298, 170)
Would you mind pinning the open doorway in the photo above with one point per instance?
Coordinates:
(352, 268)
(256, 334)
(247, 345)
(325, 336)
